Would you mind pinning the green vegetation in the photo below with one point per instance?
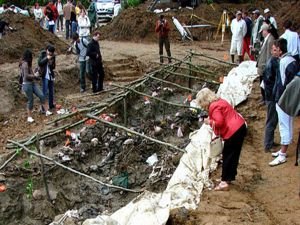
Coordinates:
(133, 3)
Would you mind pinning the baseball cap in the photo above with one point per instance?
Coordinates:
(266, 10)
(238, 13)
(264, 27)
(256, 11)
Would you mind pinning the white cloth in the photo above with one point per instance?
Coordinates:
(60, 8)
(293, 42)
(38, 14)
(238, 29)
(273, 21)
(84, 26)
(285, 123)
(284, 62)
(236, 47)
(256, 28)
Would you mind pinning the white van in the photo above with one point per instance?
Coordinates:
(107, 9)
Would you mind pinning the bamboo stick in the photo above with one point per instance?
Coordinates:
(174, 84)
(136, 133)
(71, 169)
(158, 99)
(37, 144)
(216, 59)
(193, 77)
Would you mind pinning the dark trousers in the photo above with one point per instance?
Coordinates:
(262, 91)
(68, 29)
(231, 154)
(82, 68)
(60, 21)
(271, 123)
(97, 77)
(164, 41)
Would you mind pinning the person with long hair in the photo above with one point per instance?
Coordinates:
(30, 85)
(228, 124)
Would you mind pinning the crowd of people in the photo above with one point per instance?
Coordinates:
(70, 18)
(79, 23)
(278, 66)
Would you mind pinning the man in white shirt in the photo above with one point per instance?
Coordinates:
(271, 18)
(238, 30)
(293, 41)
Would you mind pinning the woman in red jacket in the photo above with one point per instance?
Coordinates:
(231, 126)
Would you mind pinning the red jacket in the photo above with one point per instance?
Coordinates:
(162, 28)
(53, 9)
(224, 119)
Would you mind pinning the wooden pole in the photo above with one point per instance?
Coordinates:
(216, 59)
(193, 77)
(125, 111)
(174, 84)
(136, 133)
(71, 169)
(37, 145)
(158, 99)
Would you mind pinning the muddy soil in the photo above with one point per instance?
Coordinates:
(260, 195)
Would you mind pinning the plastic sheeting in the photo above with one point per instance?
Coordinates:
(237, 85)
(183, 190)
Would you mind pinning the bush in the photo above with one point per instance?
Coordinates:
(133, 3)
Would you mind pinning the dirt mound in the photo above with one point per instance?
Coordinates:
(137, 24)
(27, 34)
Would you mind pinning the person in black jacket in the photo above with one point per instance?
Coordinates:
(46, 64)
(269, 78)
(95, 58)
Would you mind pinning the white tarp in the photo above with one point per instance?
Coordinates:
(183, 190)
(191, 175)
(237, 85)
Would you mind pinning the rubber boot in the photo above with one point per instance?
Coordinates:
(161, 59)
(232, 58)
(240, 59)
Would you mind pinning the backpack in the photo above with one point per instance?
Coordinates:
(88, 68)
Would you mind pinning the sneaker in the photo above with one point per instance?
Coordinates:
(30, 119)
(278, 160)
(48, 113)
(276, 154)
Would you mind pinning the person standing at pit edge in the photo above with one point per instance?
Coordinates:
(162, 28)
(30, 85)
(288, 68)
(46, 64)
(238, 30)
(95, 59)
(232, 128)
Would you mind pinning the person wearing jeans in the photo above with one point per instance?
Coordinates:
(29, 85)
(46, 63)
(80, 45)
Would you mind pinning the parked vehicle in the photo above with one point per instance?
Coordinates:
(107, 9)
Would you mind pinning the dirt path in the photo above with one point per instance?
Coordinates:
(261, 194)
